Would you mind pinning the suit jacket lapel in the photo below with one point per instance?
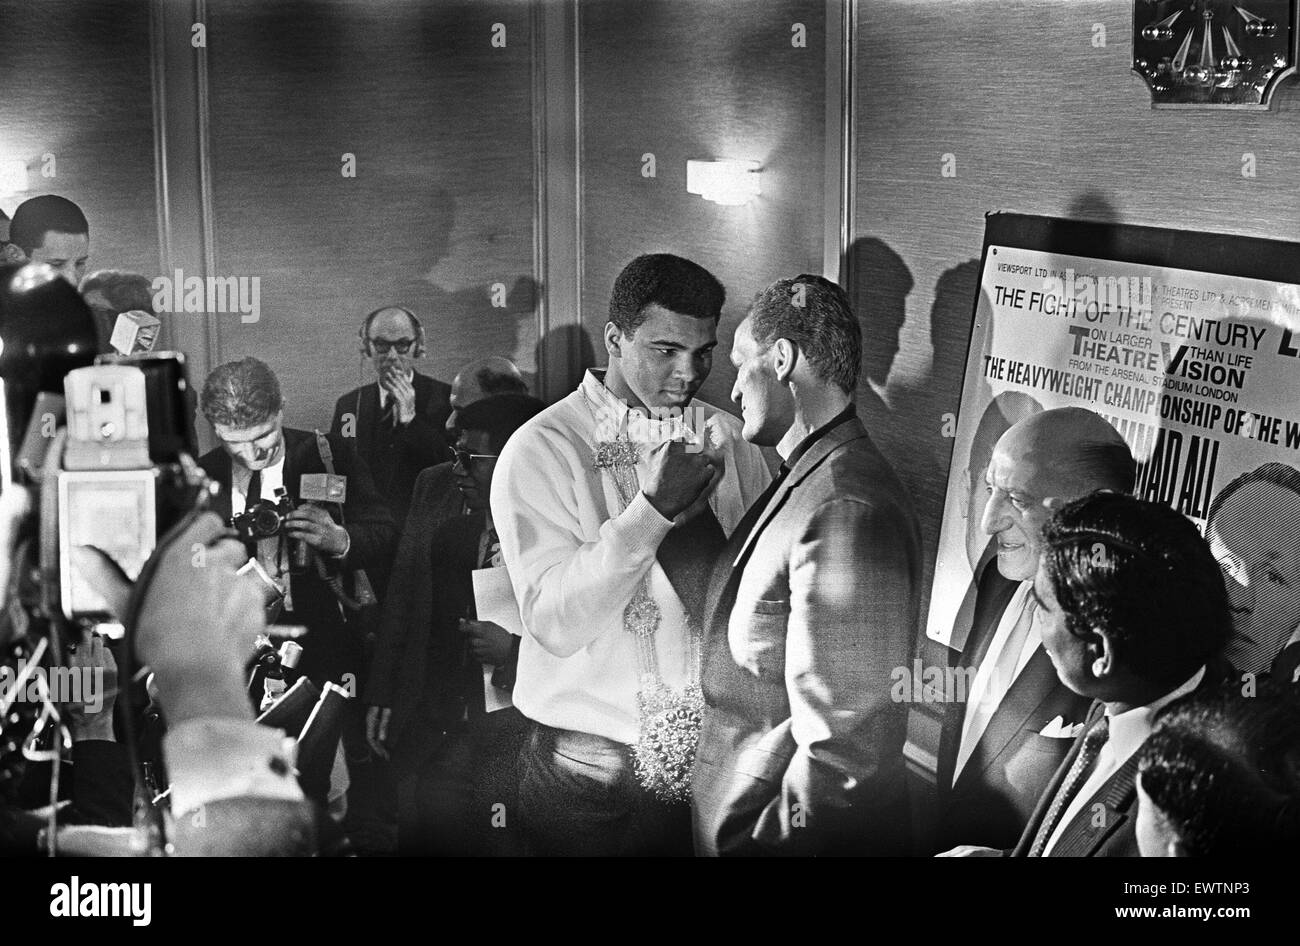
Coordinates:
(994, 595)
(818, 452)
(368, 417)
(1028, 692)
(1083, 836)
(725, 577)
(1062, 770)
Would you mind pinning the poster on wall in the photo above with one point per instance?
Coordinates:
(1190, 356)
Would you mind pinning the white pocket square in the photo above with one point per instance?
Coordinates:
(1058, 728)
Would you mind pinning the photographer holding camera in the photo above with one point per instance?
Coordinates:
(307, 509)
(276, 473)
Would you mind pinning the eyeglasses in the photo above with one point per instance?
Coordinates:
(383, 346)
(465, 459)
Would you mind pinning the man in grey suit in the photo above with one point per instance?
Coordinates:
(813, 604)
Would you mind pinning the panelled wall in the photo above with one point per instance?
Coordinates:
(439, 120)
(432, 98)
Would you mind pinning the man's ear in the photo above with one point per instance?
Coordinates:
(785, 355)
(613, 340)
(1102, 653)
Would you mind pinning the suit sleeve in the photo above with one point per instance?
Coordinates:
(369, 523)
(406, 604)
(853, 586)
(566, 586)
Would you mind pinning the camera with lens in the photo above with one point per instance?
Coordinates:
(263, 519)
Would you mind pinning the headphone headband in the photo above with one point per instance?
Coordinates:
(363, 333)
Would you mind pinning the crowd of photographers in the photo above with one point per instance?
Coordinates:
(332, 582)
(296, 538)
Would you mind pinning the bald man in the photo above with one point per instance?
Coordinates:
(480, 379)
(396, 423)
(1012, 720)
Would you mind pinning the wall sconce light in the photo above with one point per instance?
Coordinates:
(730, 183)
(1215, 53)
(13, 177)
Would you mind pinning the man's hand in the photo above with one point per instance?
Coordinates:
(92, 718)
(971, 850)
(402, 392)
(490, 643)
(197, 622)
(678, 479)
(313, 525)
(377, 720)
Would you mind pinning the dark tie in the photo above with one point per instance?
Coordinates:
(686, 555)
(1092, 742)
(388, 417)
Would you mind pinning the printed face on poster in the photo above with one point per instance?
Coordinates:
(1200, 373)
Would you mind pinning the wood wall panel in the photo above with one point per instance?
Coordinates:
(700, 80)
(441, 207)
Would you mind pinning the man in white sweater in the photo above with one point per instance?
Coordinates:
(610, 507)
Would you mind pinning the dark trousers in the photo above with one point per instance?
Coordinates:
(579, 797)
(458, 796)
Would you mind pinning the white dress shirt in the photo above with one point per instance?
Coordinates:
(986, 691)
(575, 559)
(1128, 730)
(272, 479)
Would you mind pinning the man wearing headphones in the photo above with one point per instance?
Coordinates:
(396, 423)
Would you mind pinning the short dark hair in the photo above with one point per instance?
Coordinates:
(1141, 572)
(662, 279)
(813, 313)
(1220, 766)
(241, 393)
(124, 292)
(1278, 474)
(499, 416)
(38, 216)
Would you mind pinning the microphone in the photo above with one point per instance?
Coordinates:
(134, 332)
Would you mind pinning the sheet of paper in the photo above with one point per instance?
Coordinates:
(494, 600)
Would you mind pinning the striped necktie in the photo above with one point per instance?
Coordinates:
(1092, 742)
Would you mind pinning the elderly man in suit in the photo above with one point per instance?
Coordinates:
(812, 606)
(999, 746)
(1134, 615)
(396, 423)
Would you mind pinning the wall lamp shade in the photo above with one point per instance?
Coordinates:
(730, 183)
(13, 177)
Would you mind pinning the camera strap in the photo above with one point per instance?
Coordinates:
(363, 590)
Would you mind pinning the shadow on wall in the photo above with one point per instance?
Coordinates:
(467, 314)
(559, 342)
(879, 285)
